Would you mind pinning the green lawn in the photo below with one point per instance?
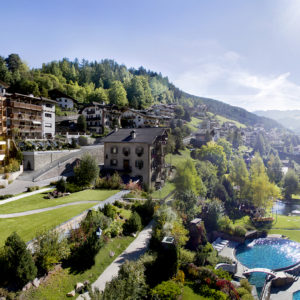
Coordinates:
(27, 226)
(222, 120)
(286, 222)
(37, 201)
(193, 124)
(189, 294)
(291, 234)
(175, 159)
(165, 191)
(59, 284)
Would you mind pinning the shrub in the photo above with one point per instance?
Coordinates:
(186, 256)
(49, 249)
(224, 259)
(20, 265)
(167, 290)
(225, 224)
(145, 210)
(87, 171)
(82, 141)
(245, 284)
(133, 224)
(239, 231)
(33, 188)
(114, 229)
(13, 166)
(118, 204)
(61, 185)
(109, 211)
(2, 197)
(247, 297)
(242, 291)
(73, 188)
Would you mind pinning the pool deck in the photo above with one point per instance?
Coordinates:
(286, 294)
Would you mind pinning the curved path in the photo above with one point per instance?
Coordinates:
(36, 211)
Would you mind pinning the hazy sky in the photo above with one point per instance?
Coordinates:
(243, 52)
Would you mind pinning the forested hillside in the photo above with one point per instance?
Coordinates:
(107, 81)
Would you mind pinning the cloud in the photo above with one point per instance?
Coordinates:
(224, 78)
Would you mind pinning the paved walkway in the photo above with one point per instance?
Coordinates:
(40, 210)
(137, 248)
(25, 195)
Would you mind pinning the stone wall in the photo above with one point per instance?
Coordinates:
(4, 179)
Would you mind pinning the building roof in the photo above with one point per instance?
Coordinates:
(55, 94)
(142, 135)
(29, 97)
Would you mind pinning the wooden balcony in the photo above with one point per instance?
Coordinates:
(29, 106)
(28, 117)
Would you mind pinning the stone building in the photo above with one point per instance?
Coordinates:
(137, 154)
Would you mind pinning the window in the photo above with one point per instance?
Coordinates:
(114, 150)
(66, 100)
(49, 125)
(139, 164)
(49, 105)
(113, 162)
(126, 151)
(139, 151)
(48, 115)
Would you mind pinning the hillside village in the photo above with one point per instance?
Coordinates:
(161, 183)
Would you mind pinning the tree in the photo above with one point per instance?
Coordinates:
(187, 179)
(275, 169)
(186, 203)
(133, 224)
(117, 94)
(262, 191)
(227, 147)
(208, 173)
(21, 267)
(290, 184)
(215, 154)
(179, 112)
(211, 214)
(236, 139)
(260, 144)
(239, 176)
(87, 171)
(13, 62)
(81, 123)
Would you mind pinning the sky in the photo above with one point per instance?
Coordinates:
(242, 52)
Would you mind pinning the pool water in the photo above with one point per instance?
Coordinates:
(268, 253)
(296, 296)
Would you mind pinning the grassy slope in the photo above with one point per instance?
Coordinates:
(64, 281)
(37, 201)
(27, 226)
(193, 124)
(165, 191)
(176, 159)
(189, 294)
(222, 120)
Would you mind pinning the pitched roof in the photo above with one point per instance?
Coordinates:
(55, 93)
(143, 135)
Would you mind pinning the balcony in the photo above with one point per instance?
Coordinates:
(28, 117)
(26, 106)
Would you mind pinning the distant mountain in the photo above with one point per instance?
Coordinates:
(236, 113)
(288, 118)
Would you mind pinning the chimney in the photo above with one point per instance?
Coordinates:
(133, 134)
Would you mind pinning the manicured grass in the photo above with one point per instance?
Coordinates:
(62, 282)
(175, 159)
(165, 191)
(37, 201)
(189, 294)
(28, 226)
(293, 235)
(286, 222)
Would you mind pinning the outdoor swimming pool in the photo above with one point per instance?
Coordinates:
(296, 296)
(268, 253)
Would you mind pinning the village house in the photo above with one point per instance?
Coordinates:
(64, 101)
(138, 154)
(100, 116)
(131, 118)
(28, 116)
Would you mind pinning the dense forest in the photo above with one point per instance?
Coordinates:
(107, 81)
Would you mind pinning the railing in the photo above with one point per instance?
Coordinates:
(26, 105)
(26, 117)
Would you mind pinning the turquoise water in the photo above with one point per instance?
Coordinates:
(267, 253)
(296, 296)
